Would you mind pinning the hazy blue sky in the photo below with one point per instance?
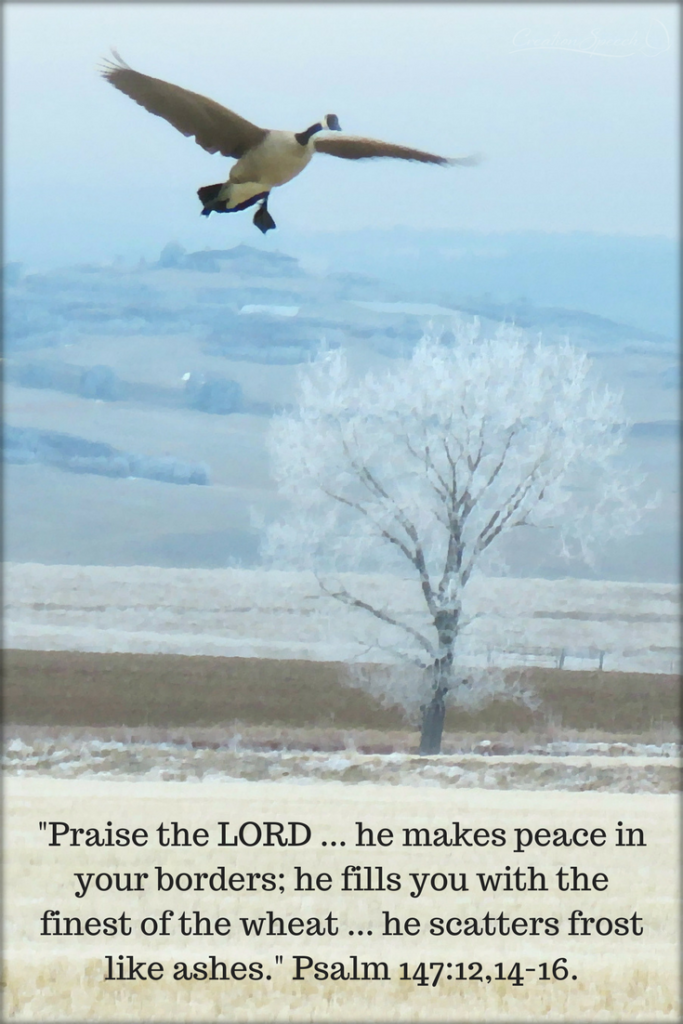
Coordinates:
(574, 105)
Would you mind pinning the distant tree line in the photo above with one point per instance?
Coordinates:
(78, 455)
(209, 393)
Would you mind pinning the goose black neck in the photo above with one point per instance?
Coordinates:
(303, 137)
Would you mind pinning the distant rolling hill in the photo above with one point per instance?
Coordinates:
(180, 363)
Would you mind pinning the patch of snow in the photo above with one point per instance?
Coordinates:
(16, 746)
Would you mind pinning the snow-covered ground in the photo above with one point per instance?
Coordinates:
(608, 767)
(271, 614)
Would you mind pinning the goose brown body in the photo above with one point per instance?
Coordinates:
(265, 158)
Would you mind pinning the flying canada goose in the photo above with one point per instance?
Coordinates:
(265, 158)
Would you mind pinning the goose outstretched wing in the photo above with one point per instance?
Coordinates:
(351, 147)
(215, 128)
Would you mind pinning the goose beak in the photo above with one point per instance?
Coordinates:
(332, 122)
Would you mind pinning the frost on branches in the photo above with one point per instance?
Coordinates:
(426, 466)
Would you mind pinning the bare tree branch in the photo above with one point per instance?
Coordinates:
(440, 491)
(346, 598)
(382, 531)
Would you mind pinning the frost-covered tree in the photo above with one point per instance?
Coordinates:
(428, 465)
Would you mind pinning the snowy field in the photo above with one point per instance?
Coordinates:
(270, 614)
(560, 766)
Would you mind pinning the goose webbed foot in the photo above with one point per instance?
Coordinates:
(262, 219)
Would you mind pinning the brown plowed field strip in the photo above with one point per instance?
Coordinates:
(55, 688)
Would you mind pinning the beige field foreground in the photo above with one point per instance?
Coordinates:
(618, 978)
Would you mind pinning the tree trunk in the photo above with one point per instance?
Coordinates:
(434, 713)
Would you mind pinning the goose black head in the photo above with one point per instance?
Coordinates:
(330, 121)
